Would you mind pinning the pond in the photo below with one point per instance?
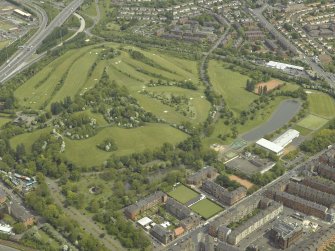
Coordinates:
(286, 110)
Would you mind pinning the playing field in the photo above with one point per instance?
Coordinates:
(183, 194)
(312, 122)
(231, 85)
(206, 208)
(321, 104)
(270, 85)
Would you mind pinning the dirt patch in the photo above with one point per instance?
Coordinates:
(270, 86)
(246, 183)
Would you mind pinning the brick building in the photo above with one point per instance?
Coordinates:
(283, 235)
(148, 202)
(177, 209)
(222, 194)
(199, 177)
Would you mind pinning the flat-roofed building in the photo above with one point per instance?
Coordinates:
(270, 146)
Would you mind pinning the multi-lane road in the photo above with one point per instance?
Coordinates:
(20, 59)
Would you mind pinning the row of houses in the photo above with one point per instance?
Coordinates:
(134, 210)
(202, 175)
(222, 194)
(254, 223)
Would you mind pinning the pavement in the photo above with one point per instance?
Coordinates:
(20, 59)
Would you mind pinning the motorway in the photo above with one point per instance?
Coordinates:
(19, 59)
(258, 13)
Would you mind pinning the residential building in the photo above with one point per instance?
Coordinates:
(222, 194)
(152, 200)
(20, 213)
(162, 234)
(254, 223)
(199, 177)
(190, 222)
(320, 183)
(3, 196)
(284, 234)
(177, 209)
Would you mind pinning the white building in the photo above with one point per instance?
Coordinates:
(283, 66)
(277, 146)
(144, 222)
(270, 146)
(286, 138)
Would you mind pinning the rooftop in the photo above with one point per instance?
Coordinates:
(269, 145)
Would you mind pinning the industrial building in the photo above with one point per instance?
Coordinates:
(283, 66)
(277, 146)
(270, 146)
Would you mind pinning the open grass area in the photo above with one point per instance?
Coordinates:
(183, 194)
(28, 139)
(4, 120)
(231, 85)
(321, 104)
(206, 208)
(303, 131)
(85, 152)
(312, 122)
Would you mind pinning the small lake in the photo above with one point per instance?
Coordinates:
(286, 110)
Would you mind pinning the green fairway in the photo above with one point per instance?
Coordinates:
(231, 85)
(183, 194)
(321, 104)
(27, 139)
(85, 152)
(206, 208)
(4, 121)
(312, 122)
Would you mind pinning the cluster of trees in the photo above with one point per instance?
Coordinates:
(53, 39)
(319, 142)
(224, 181)
(250, 85)
(108, 145)
(265, 178)
(40, 200)
(109, 99)
(183, 84)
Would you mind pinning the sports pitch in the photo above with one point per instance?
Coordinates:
(206, 208)
(183, 194)
(312, 122)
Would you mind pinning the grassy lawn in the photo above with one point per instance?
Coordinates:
(321, 104)
(28, 138)
(183, 194)
(312, 122)
(206, 208)
(303, 131)
(4, 121)
(85, 153)
(231, 85)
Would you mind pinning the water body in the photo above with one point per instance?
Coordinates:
(286, 110)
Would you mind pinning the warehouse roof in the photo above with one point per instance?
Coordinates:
(283, 66)
(270, 145)
(286, 138)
